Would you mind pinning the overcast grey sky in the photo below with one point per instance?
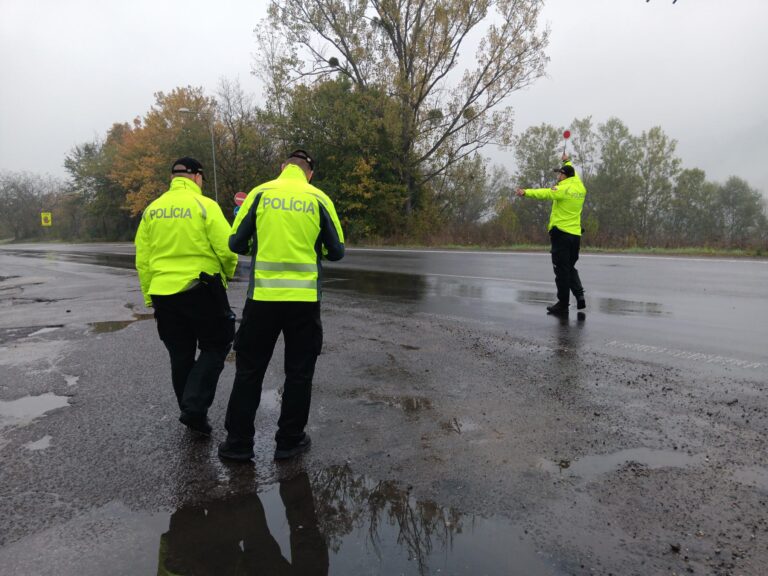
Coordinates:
(71, 68)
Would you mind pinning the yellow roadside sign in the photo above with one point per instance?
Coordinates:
(46, 219)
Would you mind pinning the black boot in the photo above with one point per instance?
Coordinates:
(559, 308)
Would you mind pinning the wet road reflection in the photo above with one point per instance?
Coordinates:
(382, 284)
(390, 285)
(627, 307)
(336, 522)
(114, 260)
(694, 307)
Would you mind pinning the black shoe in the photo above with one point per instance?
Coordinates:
(295, 450)
(581, 304)
(230, 451)
(197, 424)
(558, 309)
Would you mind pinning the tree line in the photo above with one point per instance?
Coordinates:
(377, 93)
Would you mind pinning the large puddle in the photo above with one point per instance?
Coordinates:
(336, 522)
(331, 522)
(25, 410)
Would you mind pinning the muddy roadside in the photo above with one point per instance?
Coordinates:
(620, 466)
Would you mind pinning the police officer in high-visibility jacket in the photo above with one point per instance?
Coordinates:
(183, 260)
(287, 226)
(567, 198)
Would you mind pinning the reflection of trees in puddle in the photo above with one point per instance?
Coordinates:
(237, 534)
(345, 502)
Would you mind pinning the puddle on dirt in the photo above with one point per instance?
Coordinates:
(589, 467)
(24, 410)
(630, 308)
(42, 444)
(335, 522)
(115, 325)
(754, 476)
(408, 404)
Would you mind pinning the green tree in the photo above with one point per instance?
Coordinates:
(740, 216)
(23, 196)
(615, 186)
(350, 134)
(96, 206)
(409, 49)
(692, 215)
(583, 148)
(464, 193)
(536, 156)
(658, 167)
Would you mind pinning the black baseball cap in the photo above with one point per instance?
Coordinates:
(186, 165)
(567, 170)
(304, 155)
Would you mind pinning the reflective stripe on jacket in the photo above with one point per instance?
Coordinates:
(567, 201)
(287, 225)
(181, 234)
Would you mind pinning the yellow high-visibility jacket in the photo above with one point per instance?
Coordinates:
(287, 225)
(567, 202)
(181, 234)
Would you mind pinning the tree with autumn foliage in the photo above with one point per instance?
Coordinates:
(410, 50)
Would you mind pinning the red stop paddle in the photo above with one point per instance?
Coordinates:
(566, 135)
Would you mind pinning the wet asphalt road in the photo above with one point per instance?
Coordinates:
(457, 429)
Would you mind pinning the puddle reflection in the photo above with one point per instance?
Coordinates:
(336, 522)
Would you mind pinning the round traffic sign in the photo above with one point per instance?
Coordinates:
(240, 198)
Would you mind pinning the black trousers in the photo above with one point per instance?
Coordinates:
(565, 253)
(255, 341)
(185, 322)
